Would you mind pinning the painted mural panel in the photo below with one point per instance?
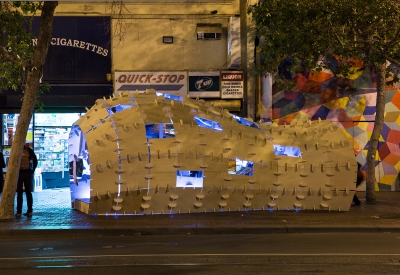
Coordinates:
(349, 103)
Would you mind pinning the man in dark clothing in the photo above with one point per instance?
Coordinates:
(360, 178)
(2, 165)
(27, 168)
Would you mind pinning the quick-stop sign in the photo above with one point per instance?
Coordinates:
(232, 84)
(171, 82)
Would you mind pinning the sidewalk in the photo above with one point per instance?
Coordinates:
(53, 217)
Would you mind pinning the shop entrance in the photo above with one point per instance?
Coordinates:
(48, 137)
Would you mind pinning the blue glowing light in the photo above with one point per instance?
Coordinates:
(170, 96)
(246, 122)
(207, 123)
(160, 130)
(289, 151)
(240, 167)
(118, 108)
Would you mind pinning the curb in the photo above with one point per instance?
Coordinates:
(78, 232)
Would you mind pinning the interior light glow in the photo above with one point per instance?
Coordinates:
(118, 108)
(188, 178)
(160, 130)
(240, 167)
(170, 96)
(289, 151)
(207, 123)
(246, 122)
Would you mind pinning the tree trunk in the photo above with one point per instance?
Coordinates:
(28, 104)
(380, 71)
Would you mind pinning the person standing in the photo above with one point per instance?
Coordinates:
(27, 167)
(86, 167)
(2, 165)
(360, 178)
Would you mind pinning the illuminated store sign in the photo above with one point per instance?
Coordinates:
(79, 51)
(204, 84)
(170, 82)
(75, 43)
(232, 84)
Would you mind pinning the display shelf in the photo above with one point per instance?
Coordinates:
(51, 148)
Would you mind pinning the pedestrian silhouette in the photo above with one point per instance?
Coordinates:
(2, 165)
(360, 178)
(27, 167)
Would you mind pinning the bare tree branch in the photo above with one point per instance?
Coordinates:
(395, 38)
(392, 60)
(335, 34)
(117, 9)
(11, 57)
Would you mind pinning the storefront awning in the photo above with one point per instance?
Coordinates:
(60, 96)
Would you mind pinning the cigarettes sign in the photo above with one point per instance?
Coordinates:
(172, 82)
(232, 84)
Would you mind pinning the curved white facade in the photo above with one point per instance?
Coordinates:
(150, 154)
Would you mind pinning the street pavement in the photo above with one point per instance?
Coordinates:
(53, 217)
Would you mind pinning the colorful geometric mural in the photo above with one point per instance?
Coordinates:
(349, 103)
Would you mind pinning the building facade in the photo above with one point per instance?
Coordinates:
(94, 44)
(98, 51)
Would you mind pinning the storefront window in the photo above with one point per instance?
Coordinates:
(10, 122)
(48, 136)
(51, 133)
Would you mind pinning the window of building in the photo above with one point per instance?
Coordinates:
(160, 130)
(170, 96)
(187, 178)
(207, 123)
(245, 122)
(240, 167)
(119, 108)
(289, 151)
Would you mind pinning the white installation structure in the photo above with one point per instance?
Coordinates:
(153, 153)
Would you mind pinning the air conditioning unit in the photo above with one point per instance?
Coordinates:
(209, 31)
